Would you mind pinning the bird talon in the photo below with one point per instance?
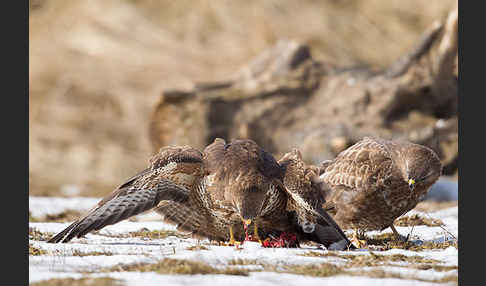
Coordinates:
(360, 243)
(234, 243)
(231, 243)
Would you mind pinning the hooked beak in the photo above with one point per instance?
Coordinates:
(411, 184)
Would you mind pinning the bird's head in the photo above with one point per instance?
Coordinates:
(422, 167)
(248, 202)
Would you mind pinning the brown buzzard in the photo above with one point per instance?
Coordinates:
(302, 182)
(375, 181)
(214, 194)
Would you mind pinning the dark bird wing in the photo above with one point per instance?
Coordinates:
(304, 189)
(170, 177)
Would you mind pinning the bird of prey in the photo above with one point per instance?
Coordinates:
(215, 194)
(302, 182)
(256, 188)
(375, 181)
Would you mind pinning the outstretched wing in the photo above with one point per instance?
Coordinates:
(170, 177)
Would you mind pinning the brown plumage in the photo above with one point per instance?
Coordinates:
(242, 179)
(375, 181)
(313, 222)
(207, 194)
(173, 175)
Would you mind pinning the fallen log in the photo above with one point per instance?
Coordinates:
(285, 98)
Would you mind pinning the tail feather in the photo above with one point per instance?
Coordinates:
(61, 235)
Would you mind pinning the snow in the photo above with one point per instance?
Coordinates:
(41, 206)
(59, 262)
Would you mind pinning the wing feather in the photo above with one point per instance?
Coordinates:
(171, 176)
(356, 167)
(306, 199)
(126, 204)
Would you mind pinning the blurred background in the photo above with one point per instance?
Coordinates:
(98, 69)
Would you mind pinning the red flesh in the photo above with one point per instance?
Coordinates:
(284, 240)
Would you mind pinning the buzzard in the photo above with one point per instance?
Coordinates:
(302, 182)
(215, 194)
(370, 184)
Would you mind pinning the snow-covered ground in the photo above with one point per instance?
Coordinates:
(111, 246)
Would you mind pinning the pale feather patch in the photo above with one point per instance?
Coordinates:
(272, 194)
(203, 196)
(167, 168)
(303, 205)
(210, 179)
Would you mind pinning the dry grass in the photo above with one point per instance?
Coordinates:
(374, 259)
(319, 270)
(178, 266)
(96, 68)
(197, 247)
(415, 219)
(432, 206)
(380, 273)
(65, 216)
(387, 241)
(240, 261)
(327, 269)
(79, 253)
(146, 234)
(34, 251)
(99, 281)
(156, 234)
(35, 234)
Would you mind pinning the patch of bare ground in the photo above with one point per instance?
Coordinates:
(380, 273)
(178, 266)
(150, 234)
(319, 270)
(65, 216)
(387, 241)
(35, 251)
(374, 259)
(77, 252)
(88, 281)
(197, 247)
(240, 261)
(415, 219)
(328, 269)
(35, 234)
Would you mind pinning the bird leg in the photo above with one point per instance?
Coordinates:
(256, 237)
(397, 235)
(246, 223)
(359, 242)
(232, 240)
